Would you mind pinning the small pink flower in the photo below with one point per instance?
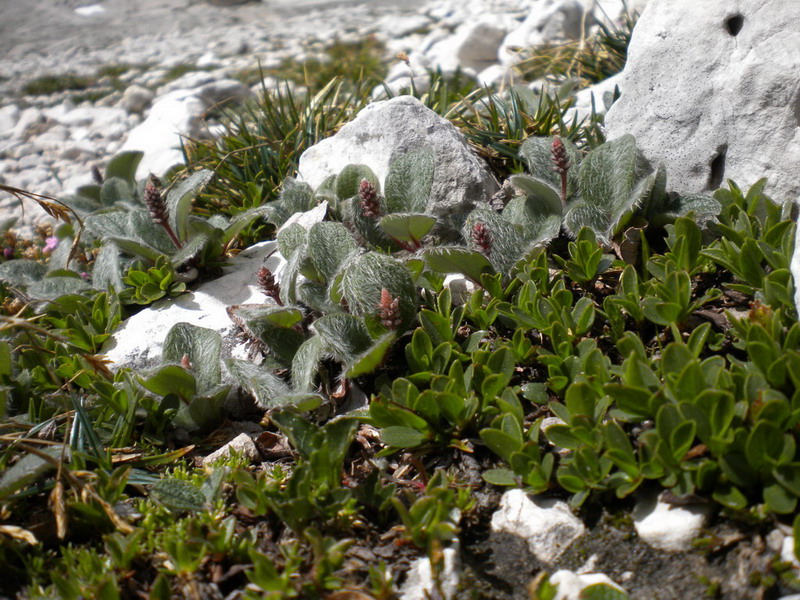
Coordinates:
(85, 275)
(8, 252)
(50, 244)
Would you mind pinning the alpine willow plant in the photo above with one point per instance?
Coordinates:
(136, 237)
(602, 191)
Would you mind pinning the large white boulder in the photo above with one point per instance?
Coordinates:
(548, 526)
(390, 128)
(712, 91)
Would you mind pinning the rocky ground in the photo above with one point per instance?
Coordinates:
(48, 147)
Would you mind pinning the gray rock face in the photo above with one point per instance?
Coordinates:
(712, 90)
(391, 128)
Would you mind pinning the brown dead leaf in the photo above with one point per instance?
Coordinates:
(59, 509)
(18, 533)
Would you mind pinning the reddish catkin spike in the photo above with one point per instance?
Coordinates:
(266, 280)
(368, 199)
(561, 165)
(482, 238)
(154, 200)
(389, 310)
(97, 176)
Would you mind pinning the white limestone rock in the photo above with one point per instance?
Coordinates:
(460, 287)
(242, 444)
(570, 585)
(8, 119)
(669, 527)
(419, 581)
(712, 91)
(223, 92)
(549, 21)
(787, 552)
(548, 526)
(390, 128)
(159, 136)
(136, 99)
(138, 342)
(473, 47)
(31, 122)
(599, 93)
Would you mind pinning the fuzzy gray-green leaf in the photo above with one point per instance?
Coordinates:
(30, 468)
(179, 199)
(349, 180)
(178, 495)
(407, 227)
(539, 212)
(537, 152)
(202, 346)
(507, 241)
(329, 244)
(615, 178)
(455, 259)
(22, 271)
(116, 190)
(306, 363)
(266, 388)
(409, 181)
(372, 358)
(124, 165)
(291, 239)
(365, 276)
(345, 335)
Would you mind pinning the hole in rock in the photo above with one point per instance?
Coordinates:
(797, 111)
(717, 174)
(734, 24)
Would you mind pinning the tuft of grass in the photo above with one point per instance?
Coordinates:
(53, 84)
(263, 142)
(588, 61)
(180, 70)
(360, 61)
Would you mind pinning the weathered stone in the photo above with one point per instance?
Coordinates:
(548, 526)
(712, 91)
(419, 583)
(385, 130)
(159, 136)
(548, 22)
(242, 444)
(136, 99)
(473, 47)
(8, 119)
(224, 92)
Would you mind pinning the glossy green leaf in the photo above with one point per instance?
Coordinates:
(402, 437)
(407, 227)
(171, 379)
